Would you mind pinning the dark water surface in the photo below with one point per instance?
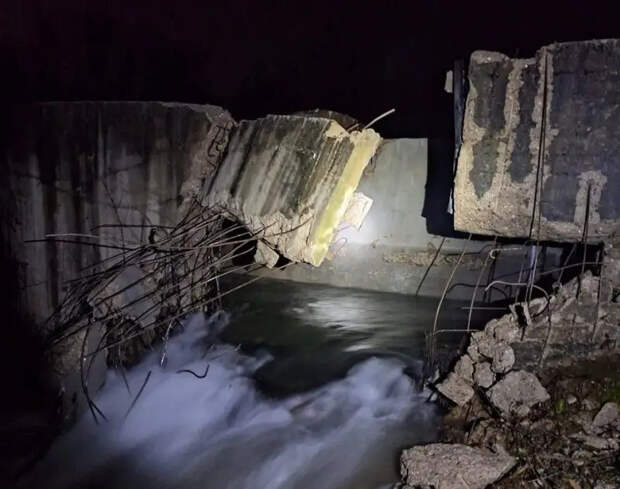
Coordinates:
(317, 332)
(308, 387)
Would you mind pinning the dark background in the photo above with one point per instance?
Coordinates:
(257, 57)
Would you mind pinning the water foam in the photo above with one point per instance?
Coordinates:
(221, 432)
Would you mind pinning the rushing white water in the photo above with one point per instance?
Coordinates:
(221, 432)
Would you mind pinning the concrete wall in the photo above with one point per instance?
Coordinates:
(541, 140)
(392, 249)
(71, 168)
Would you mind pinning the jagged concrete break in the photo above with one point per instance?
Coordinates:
(290, 179)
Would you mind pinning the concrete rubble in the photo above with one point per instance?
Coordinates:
(520, 386)
(265, 255)
(517, 393)
(581, 320)
(452, 466)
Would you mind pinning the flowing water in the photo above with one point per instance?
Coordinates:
(306, 387)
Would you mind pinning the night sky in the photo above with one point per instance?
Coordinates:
(255, 57)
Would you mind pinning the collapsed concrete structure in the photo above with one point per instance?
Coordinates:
(540, 147)
(291, 179)
(93, 171)
(112, 214)
(539, 160)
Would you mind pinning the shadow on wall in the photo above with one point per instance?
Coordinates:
(439, 183)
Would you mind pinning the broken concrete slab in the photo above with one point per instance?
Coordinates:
(453, 466)
(456, 389)
(458, 385)
(265, 255)
(503, 358)
(517, 393)
(290, 180)
(539, 143)
(483, 375)
(87, 167)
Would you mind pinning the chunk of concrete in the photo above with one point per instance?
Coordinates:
(448, 466)
(596, 442)
(485, 344)
(464, 368)
(503, 329)
(472, 351)
(265, 255)
(457, 389)
(517, 393)
(483, 375)
(503, 358)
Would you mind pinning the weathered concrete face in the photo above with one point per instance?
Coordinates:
(78, 172)
(541, 141)
(290, 179)
(73, 167)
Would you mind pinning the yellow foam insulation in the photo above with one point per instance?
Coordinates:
(365, 144)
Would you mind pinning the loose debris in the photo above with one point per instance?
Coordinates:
(571, 440)
(517, 393)
(541, 384)
(448, 466)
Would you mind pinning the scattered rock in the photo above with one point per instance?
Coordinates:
(605, 417)
(581, 455)
(456, 389)
(483, 375)
(583, 419)
(570, 400)
(265, 255)
(486, 345)
(503, 329)
(455, 466)
(503, 358)
(486, 433)
(516, 393)
(544, 424)
(460, 416)
(464, 368)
